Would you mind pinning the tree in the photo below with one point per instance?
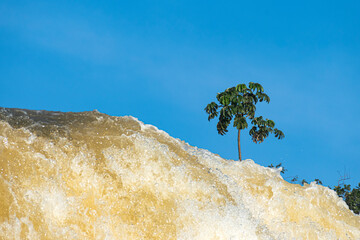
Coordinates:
(351, 197)
(238, 103)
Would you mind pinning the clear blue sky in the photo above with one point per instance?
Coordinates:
(163, 61)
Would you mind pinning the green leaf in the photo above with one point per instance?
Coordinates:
(211, 107)
(240, 122)
(226, 100)
(241, 88)
(212, 115)
(218, 96)
(279, 134)
(260, 96)
(266, 97)
(270, 123)
(259, 87)
(252, 85)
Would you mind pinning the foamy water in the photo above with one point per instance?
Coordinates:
(93, 176)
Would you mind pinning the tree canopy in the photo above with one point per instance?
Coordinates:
(239, 104)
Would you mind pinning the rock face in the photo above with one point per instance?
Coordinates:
(92, 176)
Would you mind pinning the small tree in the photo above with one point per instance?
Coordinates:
(351, 197)
(238, 103)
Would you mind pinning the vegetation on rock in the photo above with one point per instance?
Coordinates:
(350, 196)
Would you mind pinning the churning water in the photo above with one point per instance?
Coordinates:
(93, 176)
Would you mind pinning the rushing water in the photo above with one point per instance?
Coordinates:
(93, 176)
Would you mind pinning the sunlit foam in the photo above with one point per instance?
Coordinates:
(93, 176)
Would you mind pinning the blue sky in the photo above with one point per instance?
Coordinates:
(164, 61)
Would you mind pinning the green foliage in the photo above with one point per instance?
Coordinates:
(350, 196)
(318, 181)
(303, 182)
(238, 104)
(295, 179)
(283, 170)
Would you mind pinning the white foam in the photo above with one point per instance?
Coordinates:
(146, 185)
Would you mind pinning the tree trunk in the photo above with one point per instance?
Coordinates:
(239, 145)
